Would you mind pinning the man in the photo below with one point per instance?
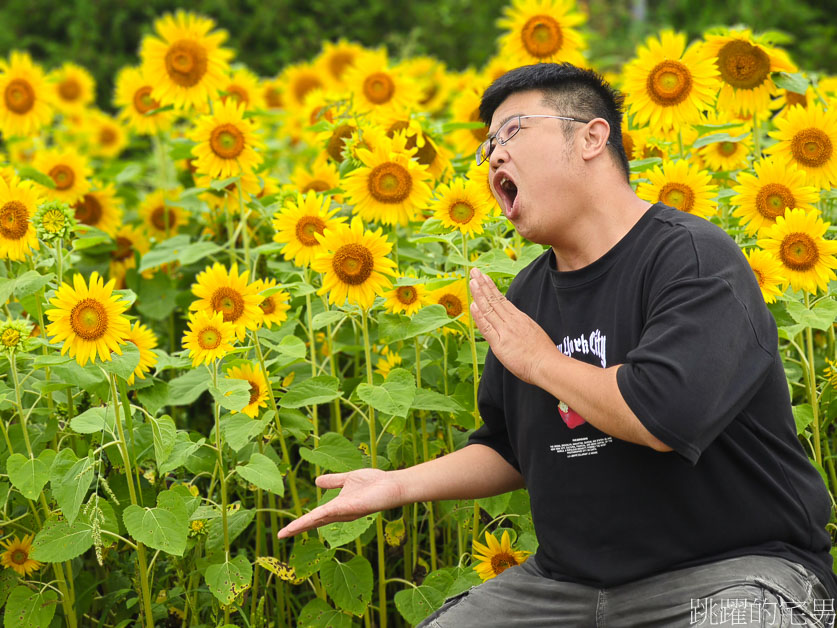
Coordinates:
(634, 386)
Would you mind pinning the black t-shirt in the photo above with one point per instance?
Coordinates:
(676, 304)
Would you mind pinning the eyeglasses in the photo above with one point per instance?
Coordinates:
(508, 131)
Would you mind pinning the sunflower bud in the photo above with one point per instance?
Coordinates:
(54, 220)
(13, 336)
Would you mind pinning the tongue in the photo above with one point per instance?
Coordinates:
(513, 209)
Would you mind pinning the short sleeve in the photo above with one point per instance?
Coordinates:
(701, 357)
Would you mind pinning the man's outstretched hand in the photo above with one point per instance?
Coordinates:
(364, 492)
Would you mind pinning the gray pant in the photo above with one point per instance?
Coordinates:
(744, 591)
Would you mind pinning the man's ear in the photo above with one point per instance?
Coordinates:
(595, 138)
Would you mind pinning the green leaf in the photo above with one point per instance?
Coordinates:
(26, 608)
(313, 391)
(318, 614)
(291, 347)
(457, 126)
(427, 319)
(30, 282)
(264, 473)
(70, 478)
(164, 253)
(821, 316)
(334, 453)
(795, 82)
(184, 390)
(164, 432)
(394, 396)
(641, 165)
(94, 420)
(416, 603)
(28, 172)
(324, 318)
(226, 580)
(717, 138)
(183, 448)
(28, 475)
(123, 365)
(231, 393)
(156, 297)
(803, 416)
(181, 148)
(239, 429)
(8, 580)
(237, 522)
(196, 252)
(165, 527)
(426, 399)
(155, 396)
(220, 185)
(349, 584)
(59, 540)
(308, 556)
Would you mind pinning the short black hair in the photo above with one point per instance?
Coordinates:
(571, 91)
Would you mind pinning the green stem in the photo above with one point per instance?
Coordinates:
(222, 477)
(243, 217)
(812, 388)
(756, 138)
(314, 413)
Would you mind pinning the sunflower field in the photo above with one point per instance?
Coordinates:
(237, 283)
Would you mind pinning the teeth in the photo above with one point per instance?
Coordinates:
(505, 183)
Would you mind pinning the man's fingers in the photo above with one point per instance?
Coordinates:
(331, 480)
(486, 329)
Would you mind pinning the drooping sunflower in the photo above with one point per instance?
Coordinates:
(298, 224)
(100, 208)
(186, 60)
(129, 240)
(133, 96)
(378, 87)
(18, 204)
(541, 31)
(258, 388)
(275, 305)
(17, 554)
(765, 195)
(354, 264)
(391, 187)
(465, 107)
(407, 298)
(73, 88)
(495, 557)
(745, 65)
(681, 185)
(68, 170)
(228, 292)
(161, 218)
(797, 241)
(243, 87)
(227, 142)
(668, 85)
(25, 105)
(209, 337)
(145, 341)
(768, 271)
(336, 137)
(336, 58)
(808, 138)
(454, 296)
(88, 319)
(461, 205)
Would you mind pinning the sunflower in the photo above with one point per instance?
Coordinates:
(681, 185)
(354, 264)
(494, 558)
(16, 555)
(227, 142)
(336, 58)
(745, 65)
(128, 240)
(542, 31)
(727, 155)
(226, 199)
(68, 170)
(227, 292)
(298, 224)
(145, 341)
(319, 106)
(271, 89)
(765, 195)
(465, 107)
(25, 106)
(100, 208)
(161, 218)
(667, 85)
(88, 319)
(335, 138)
(785, 99)
(379, 88)
(496, 67)
(428, 152)
(133, 96)
(388, 361)
(768, 271)
(258, 388)
(242, 87)
(299, 79)
(106, 137)
(432, 80)
(73, 88)
(454, 296)
(808, 138)
(797, 241)
(275, 305)
(18, 204)
(391, 186)
(185, 59)
(407, 298)
(13, 335)
(641, 144)
(321, 177)
(830, 373)
(209, 337)
(478, 174)
(461, 205)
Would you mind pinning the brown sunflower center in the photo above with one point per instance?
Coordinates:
(88, 319)
(502, 561)
(379, 88)
(669, 83)
(209, 338)
(407, 295)
(317, 185)
(254, 391)
(811, 147)
(14, 220)
(305, 84)
(10, 337)
(69, 89)
(389, 183)
(461, 212)
(107, 136)
(429, 93)
(163, 218)
(799, 252)
(229, 302)
(124, 249)
(143, 102)
(226, 141)
(759, 277)
(452, 304)
(334, 148)
(727, 148)
(678, 196)
(743, 65)
(19, 96)
(353, 263)
(306, 227)
(426, 154)
(186, 62)
(19, 557)
(268, 305)
(541, 36)
(772, 199)
(480, 134)
(628, 144)
(238, 94)
(793, 98)
(63, 176)
(88, 210)
(338, 62)
(273, 97)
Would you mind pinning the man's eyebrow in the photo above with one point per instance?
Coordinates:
(506, 119)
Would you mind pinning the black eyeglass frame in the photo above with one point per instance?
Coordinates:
(489, 143)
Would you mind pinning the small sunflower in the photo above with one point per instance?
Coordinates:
(388, 361)
(275, 306)
(408, 298)
(25, 105)
(242, 87)
(428, 152)
(668, 85)
(641, 143)
(454, 296)
(380, 88)
(727, 155)
(765, 195)
(100, 208)
(13, 335)
(18, 204)
(133, 96)
(321, 177)
(227, 142)
(797, 241)
(391, 187)
(88, 319)
(460, 205)
(68, 170)
(145, 341)
(338, 57)
(433, 82)
(335, 139)
(128, 240)
(209, 337)
(298, 80)
(542, 31)
(681, 185)
(786, 99)
(161, 218)
(228, 292)
(354, 264)
(768, 271)
(73, 88)
(186, 60)
(298, 224)
(259, 388)
(465, 107)
(271, 89)
(226, 199)
(494, 558)
(17, 554)
(830, 373)
(54, 220)
(478, 175)
(807, 137)
(106, 137)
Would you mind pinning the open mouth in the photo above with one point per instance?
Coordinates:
(507, 189)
